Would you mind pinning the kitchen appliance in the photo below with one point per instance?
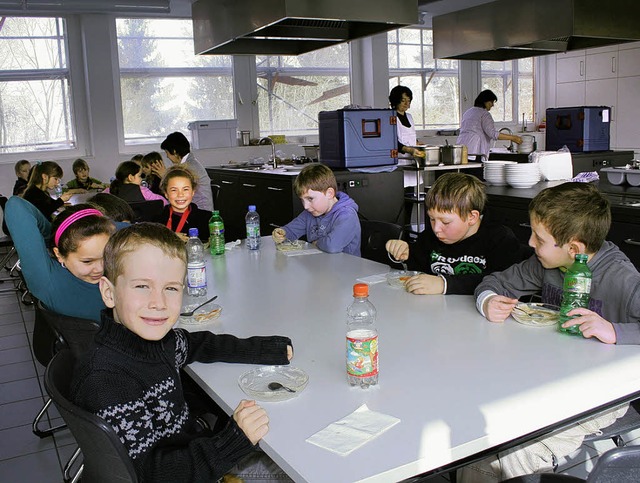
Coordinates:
(581, 129)
(506, 29)
(292, 27)
(355, 138)
(214, 134)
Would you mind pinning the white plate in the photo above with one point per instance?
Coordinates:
(296, 167)
(255, 383)
(204, 315)
(398, 278)
(549, 314)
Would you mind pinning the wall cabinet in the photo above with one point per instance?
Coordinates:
(380, 196)
(570, 69)
(629, 62)
(603, 65)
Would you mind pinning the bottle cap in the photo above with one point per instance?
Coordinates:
(360, 290)
(216, 212)
(582, 257)
(193, 232)
(252, 207)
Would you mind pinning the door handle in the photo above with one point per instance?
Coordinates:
(581, 68)
(274, 189)
(524, 225)
(248, 185)
(227, 182)
(631, 241)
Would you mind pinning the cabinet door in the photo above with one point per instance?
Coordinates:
(629, 63)
(603, 65)
(277, 204)
(627, 237)
(627, 116)
(228, 204)
(570, 69)
(570, 94)
(515, 218)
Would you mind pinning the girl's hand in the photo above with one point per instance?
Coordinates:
(252, 420)
(66, 196)
(592, 325)
(398, 249)
(158, 168)
(497, 308)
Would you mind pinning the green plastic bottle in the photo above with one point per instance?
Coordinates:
(216, 234)
(575, 292)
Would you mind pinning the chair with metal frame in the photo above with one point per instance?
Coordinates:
(374, 236)
(105, 458)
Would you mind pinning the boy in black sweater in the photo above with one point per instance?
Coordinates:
(130, 376)
(461, 247)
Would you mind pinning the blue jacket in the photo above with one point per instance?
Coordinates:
(54, 285)
(336, 231)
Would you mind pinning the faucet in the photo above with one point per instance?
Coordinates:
(268, 140)
(511, 148)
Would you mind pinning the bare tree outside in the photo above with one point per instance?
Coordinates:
(35, 108)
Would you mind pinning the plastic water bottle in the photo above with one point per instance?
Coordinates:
(362, 339)
(575, 292)
(196, 269)
(57, 191)
(216, 233)
(252, 221)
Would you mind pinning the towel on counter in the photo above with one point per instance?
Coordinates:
(586, 177)
(350, 433)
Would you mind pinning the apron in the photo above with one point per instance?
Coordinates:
(406, 135)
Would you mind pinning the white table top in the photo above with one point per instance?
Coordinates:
(458, 383)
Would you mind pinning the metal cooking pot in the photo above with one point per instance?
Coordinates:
(431, 156)
(451, 154)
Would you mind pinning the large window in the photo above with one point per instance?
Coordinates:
(164, 85)
(434, 82)
(35, 109)
(293, 90)
(512, 82)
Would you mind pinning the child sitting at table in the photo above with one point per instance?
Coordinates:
(130, 375)
(68, 284)
(178, 185)
(566, 220)
(127, 184)
(83, 180)
(22, 169)
(461, 246)
(330, 217)
(152, 179)
(44, 177)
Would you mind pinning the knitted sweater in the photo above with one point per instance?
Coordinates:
(134, 384)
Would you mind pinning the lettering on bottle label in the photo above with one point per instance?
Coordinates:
(362, 356)
(196, 277)
(217, 228)
(578, 285)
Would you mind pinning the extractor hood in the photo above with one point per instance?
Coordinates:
(292, 27)
(513, 29)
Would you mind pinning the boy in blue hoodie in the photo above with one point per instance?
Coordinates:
(330, 220)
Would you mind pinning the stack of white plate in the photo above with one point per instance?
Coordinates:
(522, 175)
(494, 173)
(526, 146)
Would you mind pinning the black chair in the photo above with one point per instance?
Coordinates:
(105, 459)
(147, 210)
(618, 465)
(215, 189)
(51, 333)
(375, 235)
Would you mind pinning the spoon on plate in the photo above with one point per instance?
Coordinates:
(190, 313)
(533, 315)
(276, 386)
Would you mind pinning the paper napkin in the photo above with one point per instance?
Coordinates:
(373, 279)
(302, 251)
(353, 431)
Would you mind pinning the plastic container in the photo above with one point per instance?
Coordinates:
(362, 339)
(252, 222)
(214, 134)
(196, 269)
(216, 234)
(575, 292)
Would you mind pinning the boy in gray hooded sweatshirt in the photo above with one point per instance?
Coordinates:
(566, 220)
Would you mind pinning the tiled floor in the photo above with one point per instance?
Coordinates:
(25, 458)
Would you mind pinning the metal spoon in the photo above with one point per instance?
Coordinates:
(276, 386)
(189, 314)
(529, 314)
(404, 265)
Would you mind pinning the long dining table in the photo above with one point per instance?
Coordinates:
(461, 386)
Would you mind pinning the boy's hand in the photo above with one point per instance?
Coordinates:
(252, 420)
(289, 352)
(424, 284)
(158, 167)
(279, 235)
(498, 307)
(398, 249)
(592, 325)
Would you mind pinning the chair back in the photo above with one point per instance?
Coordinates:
(105, 458)
(375, 235)
(147, 210)
(618, 465)
(74, 333)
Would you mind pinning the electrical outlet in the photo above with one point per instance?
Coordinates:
(352, 184)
